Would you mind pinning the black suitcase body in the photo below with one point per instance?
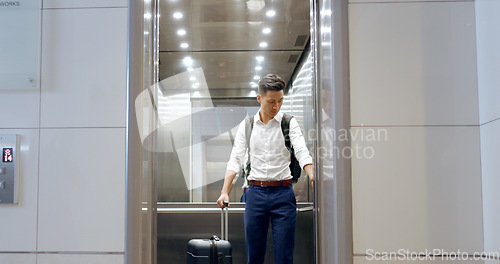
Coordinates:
(213, 250)
(209, 251)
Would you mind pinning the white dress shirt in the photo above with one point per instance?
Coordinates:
(269, 158)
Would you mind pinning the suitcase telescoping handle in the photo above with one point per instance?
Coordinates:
(224, 232)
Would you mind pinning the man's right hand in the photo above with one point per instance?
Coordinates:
(223, 197)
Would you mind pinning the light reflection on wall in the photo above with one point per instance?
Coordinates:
(164, 113)
(299, 103)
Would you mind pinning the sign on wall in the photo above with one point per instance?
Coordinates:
(20, 27)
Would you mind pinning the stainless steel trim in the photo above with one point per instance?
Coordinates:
(213, 210)
(342, 121)
(140, 226)
(212, 205)
(132, 167)
(333, 214)
(314, 12)
(155, 72)
(306, 209)
(196, 208)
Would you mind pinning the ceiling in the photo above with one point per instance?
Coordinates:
(226, 39)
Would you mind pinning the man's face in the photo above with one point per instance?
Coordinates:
(271, 102)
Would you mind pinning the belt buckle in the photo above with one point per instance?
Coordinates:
(261, 183)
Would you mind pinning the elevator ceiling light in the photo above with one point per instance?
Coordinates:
(184, 45)
(178, 15)
(252, 94)
(266, 30)
(181, 32)
(258, 68)
(270, 13)
(256, 77)
(263, 44)
(188, 61)
(255, 5)
(259, 58)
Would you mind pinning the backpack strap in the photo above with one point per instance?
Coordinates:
(248, 133)
(285, 129)
(295, 168)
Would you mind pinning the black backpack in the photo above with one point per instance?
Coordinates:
(295, 169)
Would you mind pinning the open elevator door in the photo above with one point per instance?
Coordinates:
(171, 123)
(205, 91)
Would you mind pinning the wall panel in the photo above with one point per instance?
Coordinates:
(419, 190)
(82, 190)
(413, 64)
(84, 68)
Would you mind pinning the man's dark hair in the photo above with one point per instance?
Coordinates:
(271, 82)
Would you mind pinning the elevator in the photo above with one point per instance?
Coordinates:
(193, 69)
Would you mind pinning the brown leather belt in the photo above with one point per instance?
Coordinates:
(270, 183)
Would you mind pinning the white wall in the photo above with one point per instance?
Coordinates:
(414, 84)
(488, 58)
(72, 178)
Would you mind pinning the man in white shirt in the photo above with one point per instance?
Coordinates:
(269, 197)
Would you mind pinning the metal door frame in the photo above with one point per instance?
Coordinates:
(332, 194)
(142, 72)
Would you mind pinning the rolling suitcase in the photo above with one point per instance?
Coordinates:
(213, 250)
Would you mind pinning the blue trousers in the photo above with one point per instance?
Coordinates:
(275, 205)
